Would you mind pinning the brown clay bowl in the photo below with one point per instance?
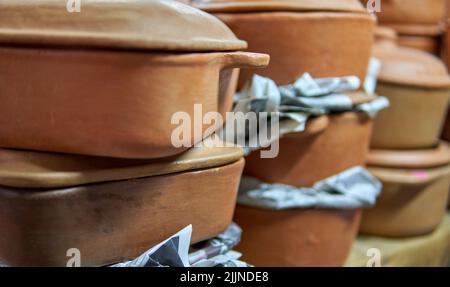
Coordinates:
(309, 237)
(124, 210)
(414, 199)
(330, 144)
(107, 103)
(295, 42)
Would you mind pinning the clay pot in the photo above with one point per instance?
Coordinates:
(330, 144)
(110, 209)
(293, 33)
(424, 43)
(417, 86)
(425, 12)
(309, 237)
(415, 192)
(71, 85)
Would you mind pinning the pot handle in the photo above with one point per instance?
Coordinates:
(244, 60)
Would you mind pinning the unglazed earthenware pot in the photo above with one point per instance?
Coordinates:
(418, 22)
(324, 38)
(298, 237)
(429, 44)
(330, 144)
(107, 81)
(415, 191)
(110, 209)
(417, 86)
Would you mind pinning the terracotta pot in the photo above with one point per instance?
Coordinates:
(328, 146)
(111, 89)
(417, 85)
(427, 44)
(310, 237)
(446, 130)
(411, 11)
(293, 33)
(111, 210)
(415, 192)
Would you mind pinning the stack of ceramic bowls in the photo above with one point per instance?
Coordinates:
(326, 39)
(406, 153)
(77, 88)
(418, 22)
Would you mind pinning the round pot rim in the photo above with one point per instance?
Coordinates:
(271, 5)
(410, 159)
(37, 170)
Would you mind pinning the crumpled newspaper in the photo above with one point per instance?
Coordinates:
(307, 97)
(174, 252)
(351, 189)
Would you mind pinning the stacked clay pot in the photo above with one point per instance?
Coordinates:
(418, 22)
(326, 39)
(406, 153)
(86, 158)
(110, 89)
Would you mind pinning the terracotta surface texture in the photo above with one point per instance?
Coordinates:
(417, 86)
(411, 11)
(114, 24)
(295, 43)
(298, 237)
(277, 5)
(111, 104)
(308, 157)
(110, 220)
(427, 44)
(30, 169)
(413, 201)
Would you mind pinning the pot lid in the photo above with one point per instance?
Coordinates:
(278, 5)
(134, 24)
(407, 66)
(30, 169)
(410, 159)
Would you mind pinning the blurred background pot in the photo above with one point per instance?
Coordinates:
(110, 209)
(74, 86)
(332, 37)
(417, 86)
(308, 237)
(418, 22)
(425, 12)
(415, 191)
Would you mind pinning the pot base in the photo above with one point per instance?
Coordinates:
(309, 237)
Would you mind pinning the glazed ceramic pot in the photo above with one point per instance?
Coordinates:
(329, 145)
(72, 85)
(415, 191)
(287, 238)
(110, 209)
(324, 38)
(417, 86)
